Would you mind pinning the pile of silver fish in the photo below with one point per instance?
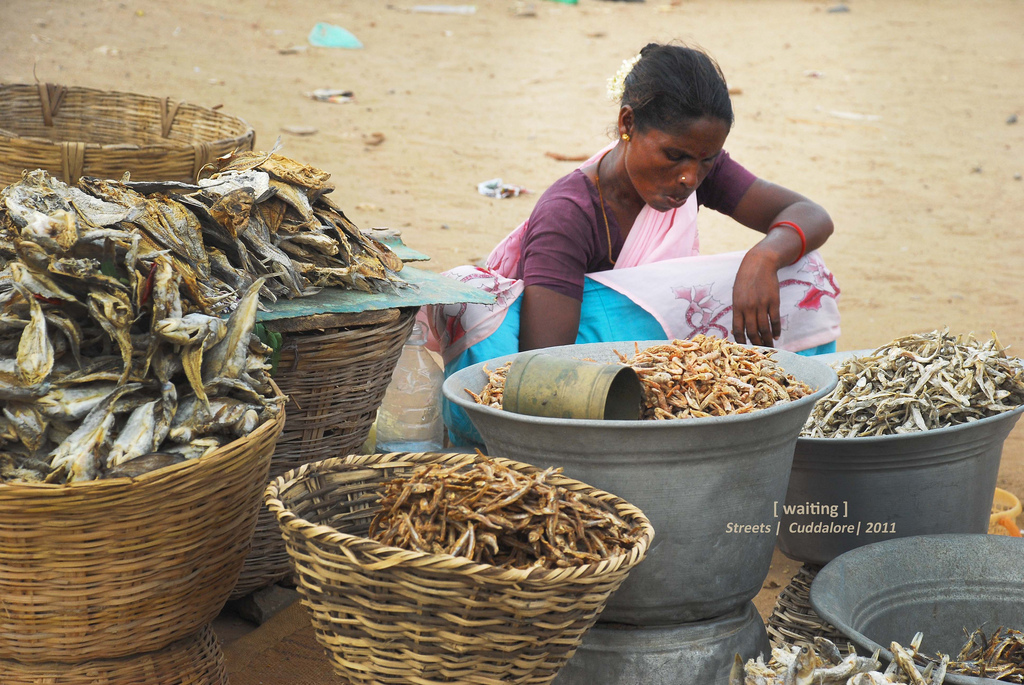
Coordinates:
(918, 383)
(824, 664)
(113, 360)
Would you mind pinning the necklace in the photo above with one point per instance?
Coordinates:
(600, 196)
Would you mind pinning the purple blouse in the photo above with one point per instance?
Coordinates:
(565, 237)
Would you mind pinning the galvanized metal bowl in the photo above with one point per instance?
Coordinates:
(710, 486)
(855, 491)
(936, 584)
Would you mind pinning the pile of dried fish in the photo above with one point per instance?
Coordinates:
(701, 377)
(803, 665)
(918, 383)
(709, 376)
(112, 361)
(494, 515)
(1000, 657)
(494, 392)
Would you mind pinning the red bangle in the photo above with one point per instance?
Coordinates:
(799, 232)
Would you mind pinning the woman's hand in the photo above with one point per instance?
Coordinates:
(755, 299)
(755, 315)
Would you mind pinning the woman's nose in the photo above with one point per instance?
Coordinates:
(688, 176)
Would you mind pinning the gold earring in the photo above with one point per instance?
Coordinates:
(683, 179)
(625, 137)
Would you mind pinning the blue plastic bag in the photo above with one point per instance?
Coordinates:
(331, 36)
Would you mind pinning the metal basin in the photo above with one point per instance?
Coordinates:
(692, 478)
(936, 584)
(862, 490)
(699, 653)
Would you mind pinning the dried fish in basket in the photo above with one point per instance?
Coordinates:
(999, 657)
(917, 383)
(111, 347)
(492, 514)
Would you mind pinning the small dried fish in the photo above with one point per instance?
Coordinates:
(999, 657)
(917, 383)
(493, 515)
(694, 378)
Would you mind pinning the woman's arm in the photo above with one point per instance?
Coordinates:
(756, 292)
(547, 318)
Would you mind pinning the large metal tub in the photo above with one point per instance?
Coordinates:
(936, 584)
(692, 478)
(699, 653)
(886, 487)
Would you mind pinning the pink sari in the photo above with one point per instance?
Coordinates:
(661, 270)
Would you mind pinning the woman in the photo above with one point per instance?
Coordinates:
(610, 251)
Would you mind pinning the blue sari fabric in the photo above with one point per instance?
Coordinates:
(606, 316)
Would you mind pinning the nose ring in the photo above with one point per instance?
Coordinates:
(683, 179)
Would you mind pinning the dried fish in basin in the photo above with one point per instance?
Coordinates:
(494, 515)
(917, 383)
(999, 657)
(695, 378)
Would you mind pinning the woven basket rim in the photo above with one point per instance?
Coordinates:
(245, 129)
(225, 451)
(353, 545)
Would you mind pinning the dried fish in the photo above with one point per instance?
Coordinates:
(916, 383)
(493, 515)
(694, 378)
(999, 657)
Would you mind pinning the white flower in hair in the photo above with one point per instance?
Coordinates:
(617, 83)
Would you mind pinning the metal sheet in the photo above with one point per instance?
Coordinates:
(430, 288)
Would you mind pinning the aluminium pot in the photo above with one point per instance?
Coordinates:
(698, 653)
(710, 486)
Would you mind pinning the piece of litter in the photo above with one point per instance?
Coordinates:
(445, 9)
(735, 91)
(368, 207)
(497, 189)
(977, 169)
(1018, 177)
(567, 158)
(524, 9)
(332, 95)
(854, 116)
(375, 138)
(1012, 119)
(293, 49)
(838, 8)
(813, 73)
(300, 130)
(326, 35)
(108, 51)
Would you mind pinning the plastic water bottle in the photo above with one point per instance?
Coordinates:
(409, 418)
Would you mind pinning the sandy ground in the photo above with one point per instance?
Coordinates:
(894, 116)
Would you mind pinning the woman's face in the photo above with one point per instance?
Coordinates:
(665, 168)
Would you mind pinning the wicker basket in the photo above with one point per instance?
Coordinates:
(112, 568)
(335, 381)
(388, 615)
(794, 620)
(74, 132)
(194, 660)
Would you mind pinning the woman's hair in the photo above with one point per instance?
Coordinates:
(672, 85)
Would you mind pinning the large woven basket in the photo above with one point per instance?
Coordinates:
(112, 568)
(193, 660)
(388, 615)
(794, 620)
(335, 381)
(74, 132)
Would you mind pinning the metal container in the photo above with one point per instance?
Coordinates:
(936, 584)
(855, 491)
(699, 653)
(541, 384)
(696, 479)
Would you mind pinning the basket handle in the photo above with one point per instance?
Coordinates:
(167, 114)
(51, 97)
(72, 161)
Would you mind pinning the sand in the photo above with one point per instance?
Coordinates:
(896, 117)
